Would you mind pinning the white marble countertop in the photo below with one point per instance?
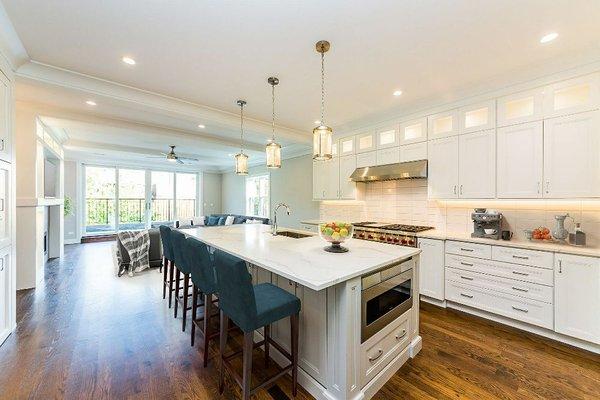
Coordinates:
(522, 244)
(301, 260)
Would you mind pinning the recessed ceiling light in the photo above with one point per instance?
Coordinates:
(201, 126)
(128, 60)
(317, 122)
(397, 92)
(549, 37)
(90, 103)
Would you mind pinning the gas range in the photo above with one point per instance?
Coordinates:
(398, 234)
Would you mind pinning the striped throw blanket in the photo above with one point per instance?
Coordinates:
(137, 244)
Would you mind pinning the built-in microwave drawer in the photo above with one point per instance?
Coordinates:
(510, 286)
(379, 350)
(542, 259)
(469, 249)
(512, 271)
(531, 311)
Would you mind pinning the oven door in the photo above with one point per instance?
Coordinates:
(384, 302)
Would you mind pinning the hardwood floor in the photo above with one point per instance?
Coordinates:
(85, 334)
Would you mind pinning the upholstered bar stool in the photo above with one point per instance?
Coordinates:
(204, 287)
(178, 243)
(167, 265)
(252, 307)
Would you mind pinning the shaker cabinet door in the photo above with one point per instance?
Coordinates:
(5, 117)
(347, 187)
(477, 165)
(442, 181)
(318, 180)
(431, 279)
(5, 238)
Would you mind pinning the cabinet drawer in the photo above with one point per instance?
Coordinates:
(509, 286)
(469, 249)
(512, 271)
(413, 152)
(526, 310)
(542, 259)
(379, 350)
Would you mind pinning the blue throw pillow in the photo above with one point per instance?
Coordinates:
(239, 220)
(222, 220)
(212, 221)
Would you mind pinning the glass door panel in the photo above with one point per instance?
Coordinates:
(186, 196)
(132, 199)
(100, 200)
(163, 198)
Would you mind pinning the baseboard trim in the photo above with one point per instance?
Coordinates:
(435, 302)
(73, 241)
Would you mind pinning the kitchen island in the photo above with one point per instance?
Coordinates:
(336, 360)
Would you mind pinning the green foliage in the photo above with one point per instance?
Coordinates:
(69, 209)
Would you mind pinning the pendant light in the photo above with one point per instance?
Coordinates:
(241, 159)
(273, 149)
(322, 134)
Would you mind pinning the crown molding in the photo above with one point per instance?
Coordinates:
(36, 72)
(12, 51)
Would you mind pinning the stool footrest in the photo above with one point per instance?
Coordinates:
(237, 353)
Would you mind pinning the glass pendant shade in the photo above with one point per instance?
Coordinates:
(241, 164)
(322, 143)
(273, 154)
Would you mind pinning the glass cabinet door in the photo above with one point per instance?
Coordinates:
(413, 131)
(478, 117)
(442, 125)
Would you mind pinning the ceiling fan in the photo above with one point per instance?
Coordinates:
(171, 156)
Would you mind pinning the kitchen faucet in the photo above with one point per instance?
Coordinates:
(274, 223)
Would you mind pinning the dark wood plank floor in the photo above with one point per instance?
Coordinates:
(85, 334)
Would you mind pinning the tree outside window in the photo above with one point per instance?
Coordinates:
(257, 196)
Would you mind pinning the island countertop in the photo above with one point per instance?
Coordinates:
(301, 260)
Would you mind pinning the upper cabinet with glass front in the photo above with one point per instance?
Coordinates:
(346, 146)
(478, 117)
(572, 96)
(442, 125)
(413, 131)
(520, 107)
(387, 137)
(366, 142)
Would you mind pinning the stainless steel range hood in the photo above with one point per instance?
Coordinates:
(405, 170)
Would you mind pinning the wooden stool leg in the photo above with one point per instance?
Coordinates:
(176, 289)
(247, 371)
(222, 344)
(164, 271)
(170, 283)
(294, 332)
(186, 284)
(206, 326)
(194, 308)
(267, 336)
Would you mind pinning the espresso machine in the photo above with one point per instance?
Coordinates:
(486, 224)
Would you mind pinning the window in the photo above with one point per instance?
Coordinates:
(185, 195)
(257, 196)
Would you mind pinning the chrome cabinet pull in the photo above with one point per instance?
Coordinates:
(401, 335)
(466, 277)
(547, 187)
(454, 189)
(1, 264)
(520, 273)
(466, 295)
(1, 144)
(521, 257)
(379, 353)
(560, 266)
(520, 309)
(467, 264)
(461, 187)
(520, 289)
(463, 249)
(538, 187)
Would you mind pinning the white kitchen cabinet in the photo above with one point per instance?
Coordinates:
(413, 131)
(577, 296)
(318, 180)
(346, 146)
(520, 107)
(366, 142)
(4, 292)
(431, 266)
(477, 117)
(442, 180)
(477, 165)
(572, 96)
(571, 161)
(413, 152)
(520, 161)
(387, 137)
(5, 118)
(366, 159)
(442, 125)
(331, 173)
(388, 156)
(334, 149)
(347, 187)
(5, 237)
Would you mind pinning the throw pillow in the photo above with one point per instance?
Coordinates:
(229, 220)
(222, 220)
(198, 221)
(212, 221)
(239, 220)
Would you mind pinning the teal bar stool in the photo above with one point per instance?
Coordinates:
(250, 308)
(204, 287)
(167, 261)
(178, 243)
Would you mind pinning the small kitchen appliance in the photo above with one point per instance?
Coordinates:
(486, 224)
(398, 234)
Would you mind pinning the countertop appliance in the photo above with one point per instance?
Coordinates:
(486, 224)
(398, 234)
(385, 295)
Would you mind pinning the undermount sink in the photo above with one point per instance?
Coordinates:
(295, 235)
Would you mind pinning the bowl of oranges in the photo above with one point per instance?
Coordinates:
(540, 233)
(336, 233)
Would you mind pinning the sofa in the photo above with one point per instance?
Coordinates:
(154, 252)
(219, 219)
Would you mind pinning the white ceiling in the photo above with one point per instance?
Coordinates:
(210, 53)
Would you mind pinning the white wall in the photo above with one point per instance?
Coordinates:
(292, 184)
(211, 193)
(73, 190)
